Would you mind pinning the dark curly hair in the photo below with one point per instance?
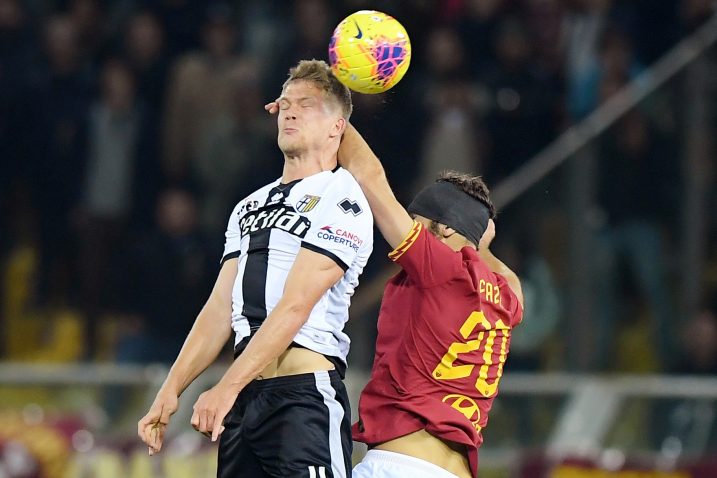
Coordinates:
(471, 185)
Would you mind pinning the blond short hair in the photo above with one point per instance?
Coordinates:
(319, 73)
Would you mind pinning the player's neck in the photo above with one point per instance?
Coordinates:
(303, 166)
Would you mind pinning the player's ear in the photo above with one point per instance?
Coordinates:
(339, 127)
(446, 231)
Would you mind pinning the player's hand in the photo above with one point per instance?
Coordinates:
(487, 236)
(211, 408)
(153, 425)
(272, 107)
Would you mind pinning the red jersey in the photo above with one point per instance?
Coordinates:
(443, 336)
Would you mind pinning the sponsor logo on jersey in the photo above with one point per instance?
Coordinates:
(307, 203)
(249, 206)
(466, 406)
(349, 206)
(275, 217)
(340, 236)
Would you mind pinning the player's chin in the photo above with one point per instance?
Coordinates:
(289, 147)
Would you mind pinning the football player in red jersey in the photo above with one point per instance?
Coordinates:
(443, 329)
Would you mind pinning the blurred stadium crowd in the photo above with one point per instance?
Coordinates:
(129, 129)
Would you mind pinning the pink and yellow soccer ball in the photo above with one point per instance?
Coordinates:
(369, 51)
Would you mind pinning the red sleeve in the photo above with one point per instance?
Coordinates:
(509, 301)
(426, 260)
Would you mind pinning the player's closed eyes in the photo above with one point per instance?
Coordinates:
(286, 104)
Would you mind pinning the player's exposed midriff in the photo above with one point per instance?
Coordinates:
(421, 444)
(296, 360)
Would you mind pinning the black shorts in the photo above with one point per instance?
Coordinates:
(293, 426)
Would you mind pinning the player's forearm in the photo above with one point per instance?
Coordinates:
(202, 346)
(497, 266)
(356, 156)
(391, 218)
(271, 340)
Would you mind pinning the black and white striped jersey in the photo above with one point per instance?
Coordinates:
(326, 213)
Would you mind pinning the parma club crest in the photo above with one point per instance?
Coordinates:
(307, 203)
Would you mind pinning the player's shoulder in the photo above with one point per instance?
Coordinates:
(347, 191)
(255, 199)
(481, 272)
(346, 178)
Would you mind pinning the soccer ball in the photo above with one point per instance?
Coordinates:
(369, 51)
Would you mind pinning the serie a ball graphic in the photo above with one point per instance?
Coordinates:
(369, 51)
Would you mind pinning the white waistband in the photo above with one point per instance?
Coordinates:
(407, 461)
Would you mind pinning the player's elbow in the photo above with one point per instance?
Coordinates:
(216, 310)
(376, 173)
(370, 173)
(515, 286)
(296, 309)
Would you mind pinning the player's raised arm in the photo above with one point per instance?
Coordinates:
(391, 217)
(495, 264)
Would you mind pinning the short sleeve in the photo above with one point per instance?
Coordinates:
(515, 310)
(232, 241)
(425, 259)
(343, 227)
(516, 313)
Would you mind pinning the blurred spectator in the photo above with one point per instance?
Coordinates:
(89, 18)
(615, 63)
(633, 227)
(52, 124)
(698, 344)
(447, 106)
(115, 125)
(523, 116)
(305, 36)
(544, 21)
(168, 276)
(695, 12)
(19, 271)
(236, 151)
(181, 20)
(383, 120)
(145, 51)
(31, 330)
(145, 54)
(17, 49)
(200, 90)
(583, 24)
(445, 55)
(652, 34)
(543, 307)
(453, 137)
(478, 28)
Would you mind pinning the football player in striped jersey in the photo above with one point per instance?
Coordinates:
(293, 253)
